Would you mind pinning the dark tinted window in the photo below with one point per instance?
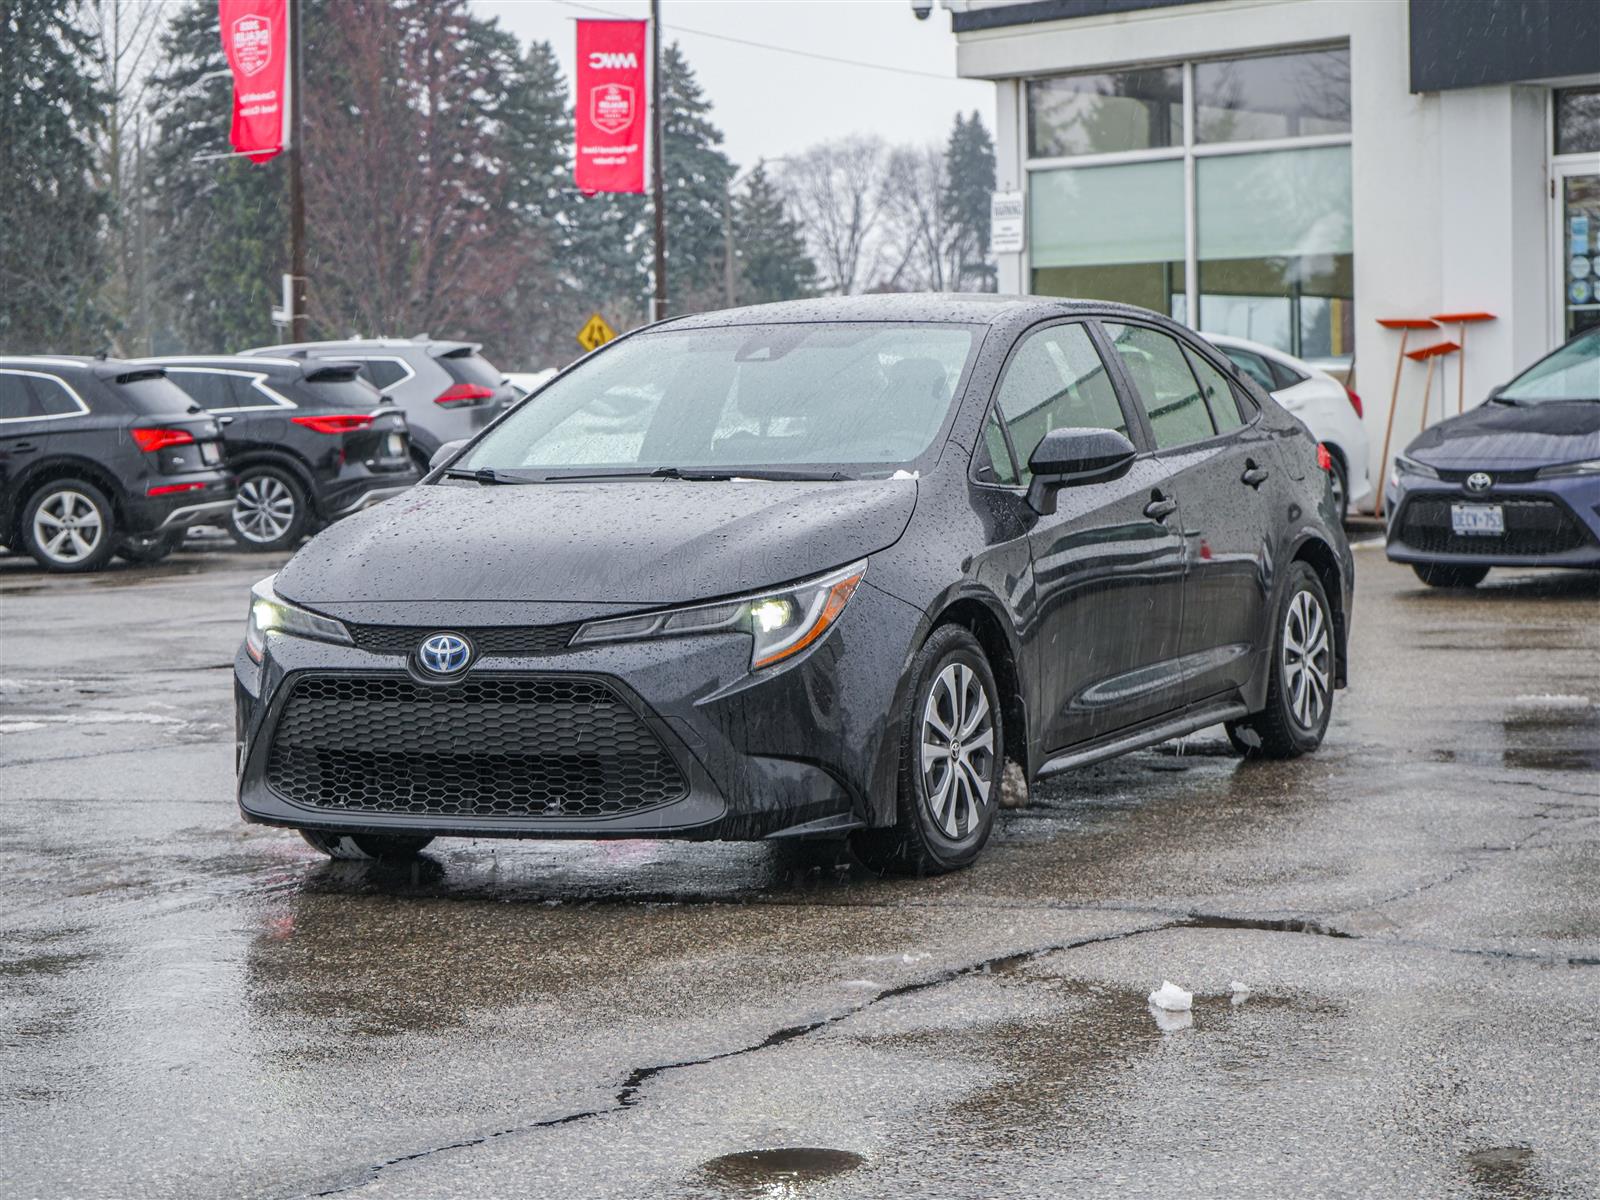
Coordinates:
(994, 456)
(207, 388)
(51, 397)
(1218, 393)
(471, 368)
(350, 393)
(1056, 380)
(383, 372)
(1165, 385)
(154, 394)
(16, 398)
(1285, 377)
(1251, 364)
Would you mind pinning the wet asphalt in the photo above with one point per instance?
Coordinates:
(193, 1007)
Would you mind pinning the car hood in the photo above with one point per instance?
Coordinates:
(558, 551)
(1512, 436)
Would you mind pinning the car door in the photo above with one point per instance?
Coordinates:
(22, 437)
(1107, 563)
(1218, 463)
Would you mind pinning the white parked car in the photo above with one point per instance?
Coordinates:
(1329, 409)
(529, 381)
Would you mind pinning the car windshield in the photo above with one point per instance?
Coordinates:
(1571, 373)
(825, 399)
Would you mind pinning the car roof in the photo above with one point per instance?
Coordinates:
(968, 308)
(1299, 364)
(360, 345)
(100, 368)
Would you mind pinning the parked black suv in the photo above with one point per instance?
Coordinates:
(310, 440)
(101, 456)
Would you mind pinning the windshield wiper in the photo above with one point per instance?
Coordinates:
(698, 475)
(483, 475)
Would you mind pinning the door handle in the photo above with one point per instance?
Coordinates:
(1160, 507)
(23, 447)
(1253, 475)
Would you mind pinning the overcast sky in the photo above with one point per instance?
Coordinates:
(769, 102)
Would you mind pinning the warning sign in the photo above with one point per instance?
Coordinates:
(595, 332)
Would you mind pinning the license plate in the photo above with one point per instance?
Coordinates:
(210, 453)
(394, 446)
(1469, 520)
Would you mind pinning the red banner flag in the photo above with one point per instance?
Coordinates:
(255, 38)
(612, 106)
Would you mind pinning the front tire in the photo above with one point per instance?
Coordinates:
(68, 526)
(269, 510)
(366, 847)
(1300, 689)
(951, 759)
(1440, 576)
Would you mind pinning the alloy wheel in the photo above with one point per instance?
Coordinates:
(67, 526)
(1307, 660)
(957, 750)
(263, 510)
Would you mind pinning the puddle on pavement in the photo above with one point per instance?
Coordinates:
(784, 1171)
(1500, 1157)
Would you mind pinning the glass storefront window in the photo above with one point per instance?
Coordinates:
(1577, 120)
(1303, 94)
(1096, 114)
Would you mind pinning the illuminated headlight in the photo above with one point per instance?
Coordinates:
(1589, 466)
(270, 614)
(781, 623)
(1410, 466)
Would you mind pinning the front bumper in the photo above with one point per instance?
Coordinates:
(1550, 523)
(805, 748)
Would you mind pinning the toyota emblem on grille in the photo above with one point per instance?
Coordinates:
(1479, 481)
(444, 653)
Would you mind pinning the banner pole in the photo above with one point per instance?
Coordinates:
(659, 305)
(297, 203)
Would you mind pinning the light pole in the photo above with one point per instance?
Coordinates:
(659, 304)
(727, 224)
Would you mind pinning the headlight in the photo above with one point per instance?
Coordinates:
(781, 623)
(1589, 466)
(269, 614)
(1410, 466)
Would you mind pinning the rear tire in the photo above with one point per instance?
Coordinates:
(270, 511)
(1339, 481)
(951, 760)
(1440, 576)
(1300, 688)
(68, 526)
(366, 847)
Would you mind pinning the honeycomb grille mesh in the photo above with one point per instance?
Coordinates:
(1533, 527)
(528, 746)
(504, 641)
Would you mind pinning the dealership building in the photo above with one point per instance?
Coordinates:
(1293, 171)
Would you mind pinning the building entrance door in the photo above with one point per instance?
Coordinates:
(1577, 202)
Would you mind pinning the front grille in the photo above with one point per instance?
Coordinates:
(491, 641)
(508, 746)
(1453, 475)
(1534, 527)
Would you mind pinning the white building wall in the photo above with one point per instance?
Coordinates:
(1448, 195)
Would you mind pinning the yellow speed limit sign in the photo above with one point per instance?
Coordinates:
(595, 332)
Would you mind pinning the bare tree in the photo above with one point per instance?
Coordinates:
(919, 237)
(837, 190)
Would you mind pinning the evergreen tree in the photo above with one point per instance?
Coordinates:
(969, 183)
(52, 263)
(219, 226)
(697, 175)
(770, 248)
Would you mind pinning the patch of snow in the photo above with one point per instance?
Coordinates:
(1551, 702)
(96, 718)
(1241, 992)
(861, 984)
(1172, 998)
(1171, 1022)
(20, 726)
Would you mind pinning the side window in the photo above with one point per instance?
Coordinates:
(1286, 377)
(51, 398)
(1165, 385)
(382, 373)
(1252, 365)
(16, 398)
(208, 390)
(1219, 394)
(1056, 380)
(994, 456)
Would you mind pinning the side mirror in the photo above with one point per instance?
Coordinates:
(445, 453)
(1073, 457)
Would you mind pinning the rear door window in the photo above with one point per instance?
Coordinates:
(1164, 384)
(1056, 380)
(16, 398)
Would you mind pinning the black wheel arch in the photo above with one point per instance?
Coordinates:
(245, 459)
(1324, 560)
(51, 470)
(982, 616)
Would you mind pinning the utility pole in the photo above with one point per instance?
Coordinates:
(297, 200)
(658, 306)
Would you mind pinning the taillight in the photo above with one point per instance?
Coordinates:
(1355, 402)
(460, 394)
(336, 423)
(1324, 459)
(150, 440)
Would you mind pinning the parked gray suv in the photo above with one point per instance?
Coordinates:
(447, 390)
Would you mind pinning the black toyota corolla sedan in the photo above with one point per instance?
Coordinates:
(811, 569)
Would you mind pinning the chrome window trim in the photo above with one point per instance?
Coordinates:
(83, 409)
(257, 381)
